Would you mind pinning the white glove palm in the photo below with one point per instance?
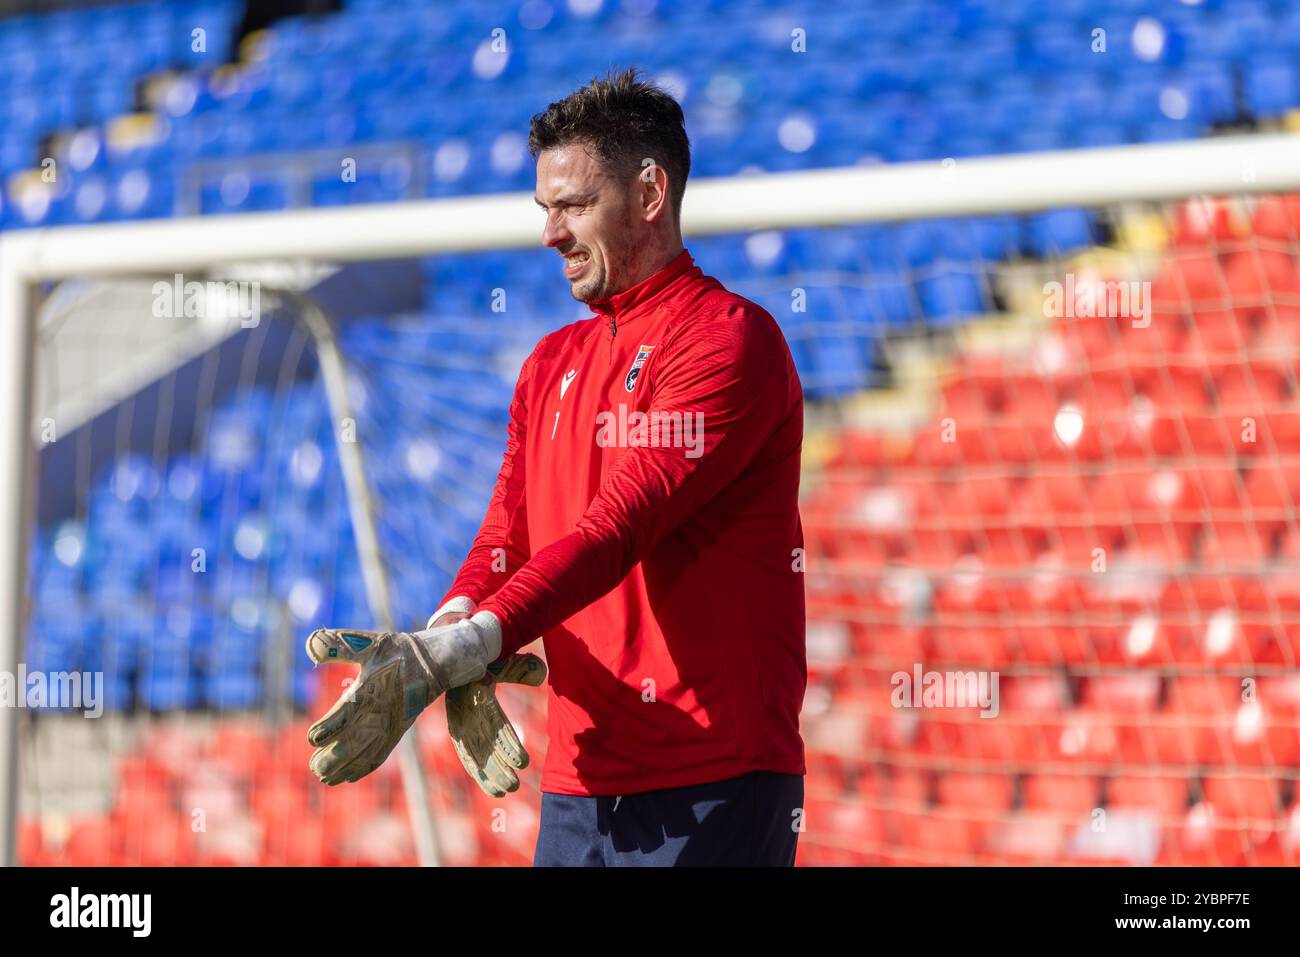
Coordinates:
(401, 674)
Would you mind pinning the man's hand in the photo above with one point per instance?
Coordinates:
(401, 674)
(485, 740)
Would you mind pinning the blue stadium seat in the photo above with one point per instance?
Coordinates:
(1271, 86)
(1058, 232)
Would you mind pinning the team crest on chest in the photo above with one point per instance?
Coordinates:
(634, 373)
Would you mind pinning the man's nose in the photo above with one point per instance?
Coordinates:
(555, 233)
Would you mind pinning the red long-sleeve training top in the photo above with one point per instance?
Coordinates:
(660, 559)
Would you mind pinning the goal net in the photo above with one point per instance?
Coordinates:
(1052, 460)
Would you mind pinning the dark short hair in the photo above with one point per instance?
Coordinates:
(624, 120)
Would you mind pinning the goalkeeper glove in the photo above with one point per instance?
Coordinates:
(486, 742)
(401, 674)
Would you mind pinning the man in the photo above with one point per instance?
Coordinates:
(644, 524)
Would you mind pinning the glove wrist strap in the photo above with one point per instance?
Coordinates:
(462, 604)
(455, 655)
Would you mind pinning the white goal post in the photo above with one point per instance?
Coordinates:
(1001, 184)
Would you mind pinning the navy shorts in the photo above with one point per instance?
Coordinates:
(749, 821)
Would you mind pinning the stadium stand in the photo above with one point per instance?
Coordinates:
(1119, 699)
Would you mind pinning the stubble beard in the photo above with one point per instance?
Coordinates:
(591, 288)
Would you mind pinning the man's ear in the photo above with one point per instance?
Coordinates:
(653, 193)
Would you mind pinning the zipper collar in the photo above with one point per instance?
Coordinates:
(628, 304)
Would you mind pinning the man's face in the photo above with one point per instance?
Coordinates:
(590, 220)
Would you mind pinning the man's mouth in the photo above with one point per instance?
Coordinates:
(575, 264)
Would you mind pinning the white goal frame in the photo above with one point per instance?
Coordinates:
(988, 185)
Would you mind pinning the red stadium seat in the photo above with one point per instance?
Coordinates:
(1030, 838)
(1094, 739)
(939, 837)
(1269, 435)
(1002, 548)
(987, 496)
(1070, 794)
(382, 840)
(1194, 492)
(1217, 333)
(1206, 223)
(861, 448)
(162, 840)
(1211, 695)
(944, 733)
(1273, 495)
(343, 807)
(1282, 847)
(829, 772)
(964, 644)
(937, 548)
(1233, 546)
(1202, 839)
(1145, 497)
(1278, 327)
(1288, 558)
(910, 787)
(1276, 850)
(1047, 500)
(1147, 339)
(280, 795)
(1220, 620)
(844, 833)
(1237, 797)
(1163, 544)
(1164, 794)
(1136, 638)
(1191, 278)
(1134, 693)
(985, 792)
(94, 842)
(1281, 694)
(1084, 336)
(241, 745)
(1278, 218)
(1030, 393)
(889, 646)
(1204, 436)
(1252, 387)
(301, 842)
(1260, 737)
(1257, 276)
(1040, 695)
(32, 851)
(1175, 740)
(291, 752)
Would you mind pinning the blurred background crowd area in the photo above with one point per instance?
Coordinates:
(1122, 690)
